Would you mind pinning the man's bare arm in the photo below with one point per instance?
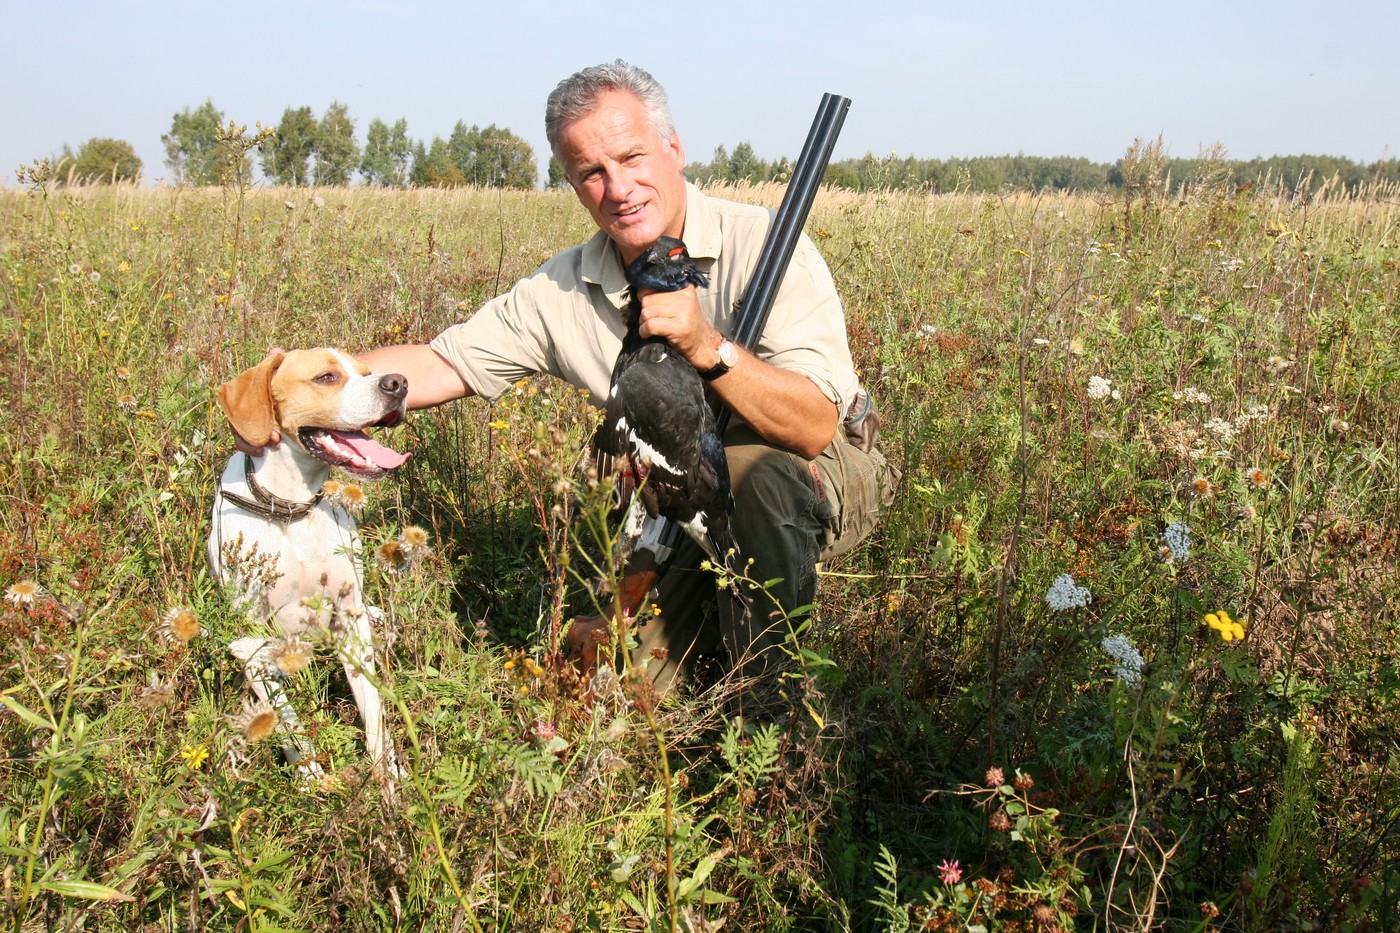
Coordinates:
(431, 379)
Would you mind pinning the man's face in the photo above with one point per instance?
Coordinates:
(627, 176)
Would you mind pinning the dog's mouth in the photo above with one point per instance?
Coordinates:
(354, 451)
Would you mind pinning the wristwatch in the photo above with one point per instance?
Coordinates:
(728, 359)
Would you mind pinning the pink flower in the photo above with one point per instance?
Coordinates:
(545, 730)
(995, 778)
(950, 872)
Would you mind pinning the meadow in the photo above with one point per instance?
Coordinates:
(1122, 654)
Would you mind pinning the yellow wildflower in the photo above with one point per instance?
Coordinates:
(1229, 629)
(195, 756)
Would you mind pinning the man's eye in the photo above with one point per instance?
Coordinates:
(327, 379)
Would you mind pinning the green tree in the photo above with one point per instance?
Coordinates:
(337, 154)
(557, 178)
(197, 155)
(102, 160)
(433, 166)
(744, 165)
(387, 154)
(493, 157)
(287, 157)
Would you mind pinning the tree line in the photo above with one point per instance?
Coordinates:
(303, 149)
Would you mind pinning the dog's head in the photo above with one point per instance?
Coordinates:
(322, 400)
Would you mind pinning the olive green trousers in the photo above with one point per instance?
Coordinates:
(790, 513)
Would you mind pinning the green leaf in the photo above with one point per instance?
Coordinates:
(87, 890)
(27, 714)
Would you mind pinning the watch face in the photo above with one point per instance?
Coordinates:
(728, 353)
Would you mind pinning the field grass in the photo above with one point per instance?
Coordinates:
(1186, 402)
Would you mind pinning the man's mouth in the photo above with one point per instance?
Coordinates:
(628, 212)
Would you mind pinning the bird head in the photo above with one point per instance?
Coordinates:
(665, 266)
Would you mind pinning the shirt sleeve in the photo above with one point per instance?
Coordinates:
(503, 342)
(806, 329)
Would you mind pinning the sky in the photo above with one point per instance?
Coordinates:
(929, 79)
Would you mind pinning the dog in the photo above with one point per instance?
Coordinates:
(287, 549)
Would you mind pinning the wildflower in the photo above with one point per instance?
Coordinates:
(330, 488)
(75, 269)
(498, 425)
(1023, 781)
(127, 403)
(156, 694)
(391, 556)
(257, 721)
(414, 540)
(999, 822)
(1063, 594)
(23, 593)
(995, 777)
(1338, 425)
(195, 756)
(179, 624)
(1178, 541)
(1209, 910)
(1101, 387)
(94, 277)
(545, 730)
(1202, 487)
(123, 373)
(1129, 668)
(1192, 395)
(1229, 629)
(1222, 429)
(292, 655)
(350, 496)
(1278, 364)
(1256, 477)
(949, 872)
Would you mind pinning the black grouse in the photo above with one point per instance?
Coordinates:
(657, 424)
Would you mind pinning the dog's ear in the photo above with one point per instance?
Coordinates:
(247, 400)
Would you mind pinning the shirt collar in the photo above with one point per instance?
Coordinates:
(601, 263)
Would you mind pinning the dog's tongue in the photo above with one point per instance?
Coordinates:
(367, 448)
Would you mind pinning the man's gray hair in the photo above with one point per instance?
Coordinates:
(577, 96)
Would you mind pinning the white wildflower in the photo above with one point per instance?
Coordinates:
(1222, 429)
(1178, 541)
(1192, 395)
(1101, 387)
(1129, 667)
(1064, 594)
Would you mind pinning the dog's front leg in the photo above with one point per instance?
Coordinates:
(357, 654)
(268, 683)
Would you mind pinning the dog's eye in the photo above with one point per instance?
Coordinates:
(327, 379)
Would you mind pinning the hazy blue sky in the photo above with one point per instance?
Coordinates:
(930, 79)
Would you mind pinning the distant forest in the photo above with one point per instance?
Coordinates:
(203, 148)
(1063, 173)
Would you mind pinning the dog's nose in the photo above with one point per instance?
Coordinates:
(393, 385)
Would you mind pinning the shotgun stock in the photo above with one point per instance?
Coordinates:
(587, 633)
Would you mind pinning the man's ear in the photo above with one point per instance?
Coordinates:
(247, 400)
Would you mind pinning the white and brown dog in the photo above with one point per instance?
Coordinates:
(290, 551)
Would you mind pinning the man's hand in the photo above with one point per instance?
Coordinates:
(676, 317)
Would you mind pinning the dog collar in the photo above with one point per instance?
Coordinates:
(265, 503)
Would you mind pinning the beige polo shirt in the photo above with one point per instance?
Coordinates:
(565, 319)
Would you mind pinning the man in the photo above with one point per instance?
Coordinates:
(802, 492)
